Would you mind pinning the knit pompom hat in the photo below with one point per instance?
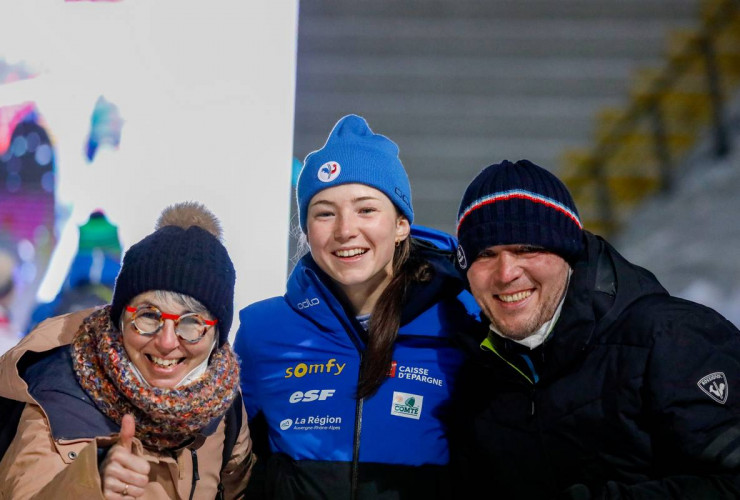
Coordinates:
(353, 153)
(184, 254)
(517, 203)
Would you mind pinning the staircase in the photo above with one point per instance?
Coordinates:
(461, 84)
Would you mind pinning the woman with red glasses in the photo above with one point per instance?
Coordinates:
(140, 398)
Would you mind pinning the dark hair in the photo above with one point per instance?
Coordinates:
(408, 267)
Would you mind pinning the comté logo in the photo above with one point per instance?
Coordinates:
(406, 405)
(303, 369)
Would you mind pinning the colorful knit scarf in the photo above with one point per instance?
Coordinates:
(165, 418)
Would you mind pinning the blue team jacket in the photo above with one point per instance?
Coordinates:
(300, 357)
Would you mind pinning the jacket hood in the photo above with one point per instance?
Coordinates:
(309, 291)
(49, 335)
(603, 285)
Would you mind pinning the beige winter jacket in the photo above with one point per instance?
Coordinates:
(37, 466)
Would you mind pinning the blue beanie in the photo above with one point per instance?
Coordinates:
(354, 154)
(517, 203)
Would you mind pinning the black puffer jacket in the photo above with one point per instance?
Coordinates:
(635, 394)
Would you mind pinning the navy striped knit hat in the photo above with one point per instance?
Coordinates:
(517, 203)
(353, 153)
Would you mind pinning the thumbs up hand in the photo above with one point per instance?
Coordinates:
(128, 429)
(123, 474)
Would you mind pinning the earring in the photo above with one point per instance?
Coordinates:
(398, 242)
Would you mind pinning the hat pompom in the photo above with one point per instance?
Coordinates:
(190, 213)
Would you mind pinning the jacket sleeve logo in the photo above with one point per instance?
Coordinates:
(715, 386)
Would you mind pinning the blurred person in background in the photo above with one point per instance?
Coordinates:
(140, 398)
(351, 370)
(8, 333)
(92, 273)
(589, 380)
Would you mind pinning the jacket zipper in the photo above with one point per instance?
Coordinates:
(195, 473)
(493, 349)
(355, 477)
(356, 450)
(531, 382)
(355, 338)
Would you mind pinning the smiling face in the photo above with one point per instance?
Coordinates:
(352, 231)
(163, 359)
(518, 287)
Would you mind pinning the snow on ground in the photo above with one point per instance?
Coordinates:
(690, 238)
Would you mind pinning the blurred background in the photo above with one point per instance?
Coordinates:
(112, 110)
(634, 103)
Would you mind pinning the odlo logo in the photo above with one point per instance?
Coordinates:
(308, 303)
(406, 405)
(403, 197)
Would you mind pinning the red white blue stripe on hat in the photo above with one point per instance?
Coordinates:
(520, 194)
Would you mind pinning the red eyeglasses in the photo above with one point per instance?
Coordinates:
(190, 327)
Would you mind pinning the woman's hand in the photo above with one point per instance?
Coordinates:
(123, 474)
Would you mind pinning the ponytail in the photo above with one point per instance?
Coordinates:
(385, 320)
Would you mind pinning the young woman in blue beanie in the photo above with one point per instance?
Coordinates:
(138, 399)
(348, 375)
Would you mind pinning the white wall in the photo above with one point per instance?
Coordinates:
(206, 91)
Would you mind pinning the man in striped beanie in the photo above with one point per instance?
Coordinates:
(524, 211)
(588, 379)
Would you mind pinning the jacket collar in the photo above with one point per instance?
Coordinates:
(602, 286)
(310, 294)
